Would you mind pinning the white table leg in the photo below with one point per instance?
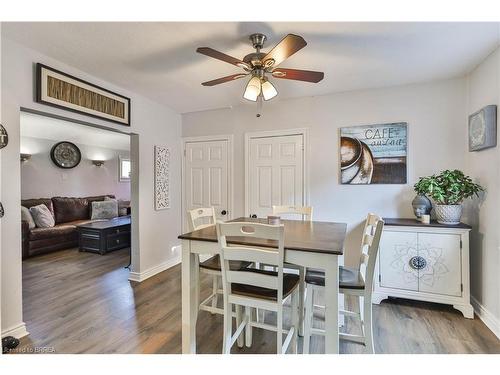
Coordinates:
(189, 298)
(332, 306)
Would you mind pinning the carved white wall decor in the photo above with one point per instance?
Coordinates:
(162, 181)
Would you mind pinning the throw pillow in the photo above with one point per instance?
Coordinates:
(107, 209)
(26, 216)
(42, 216)
(122, 205)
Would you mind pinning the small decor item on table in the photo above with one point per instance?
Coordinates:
(65, 155)
(273, 220)
(162, 180)
(448, 189)
(4, 137)
(425, 219)
(421, 205)
(483, 128)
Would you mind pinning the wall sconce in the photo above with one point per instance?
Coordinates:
(98, 163)
(25, 157)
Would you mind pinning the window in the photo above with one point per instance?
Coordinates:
(125, 169)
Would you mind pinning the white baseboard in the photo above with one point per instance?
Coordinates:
(16, 331)
(486, 316)
(141, 276)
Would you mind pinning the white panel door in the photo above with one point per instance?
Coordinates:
(206, 176)
(395, 253)
(441, 266)
(275, 173)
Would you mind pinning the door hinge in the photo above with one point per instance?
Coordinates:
(184, 152)
(379, 278)
(460, 243)
(461, 287)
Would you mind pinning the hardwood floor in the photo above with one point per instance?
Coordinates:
(83, 303)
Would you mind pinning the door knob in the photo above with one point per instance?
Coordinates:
(223, 212)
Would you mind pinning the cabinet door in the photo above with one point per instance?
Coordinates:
(396, 250)
(440, 270)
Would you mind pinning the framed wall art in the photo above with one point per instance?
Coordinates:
(374, 154)
(162, 181)
(62, 90)
(483, 128)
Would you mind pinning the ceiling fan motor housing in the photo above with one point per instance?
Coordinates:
(258, 41)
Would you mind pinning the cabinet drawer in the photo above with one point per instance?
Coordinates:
(117, 230)
(119, 240)
(90, 240)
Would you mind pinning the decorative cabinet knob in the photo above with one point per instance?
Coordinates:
(253, 216)
(223, 212)
(417, 262)
(2, 212)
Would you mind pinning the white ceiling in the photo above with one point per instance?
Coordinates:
(158, 60)
(37, 126)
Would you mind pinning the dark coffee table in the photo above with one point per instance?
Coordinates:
(104, 236)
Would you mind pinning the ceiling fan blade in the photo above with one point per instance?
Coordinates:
(224, 79)
(284, 49)
(210, 52)
(298, 75)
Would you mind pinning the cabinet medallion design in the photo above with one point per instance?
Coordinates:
(424, 263)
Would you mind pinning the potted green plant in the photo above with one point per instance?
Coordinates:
(448, 190)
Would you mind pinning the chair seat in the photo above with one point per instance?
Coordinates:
(213, 263)
(290, 282)
(349, 278)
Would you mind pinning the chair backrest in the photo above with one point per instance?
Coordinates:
(305, 211)
(369, 248)
(201, 218)
(269, 256)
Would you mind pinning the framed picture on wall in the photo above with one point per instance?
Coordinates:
(374, 154)
(62, 90)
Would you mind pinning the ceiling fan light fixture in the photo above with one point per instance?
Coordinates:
(268, 90)
(253, 89)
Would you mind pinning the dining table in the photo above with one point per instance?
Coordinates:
(309, 244)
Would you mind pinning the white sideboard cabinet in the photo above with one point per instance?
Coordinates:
(427, 262)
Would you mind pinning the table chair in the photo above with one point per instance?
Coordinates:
(252, 288)
(353, 282)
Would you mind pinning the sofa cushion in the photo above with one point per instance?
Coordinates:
(57, 231)
(28, 203)
(42, 216)
(26, 216)
(70, 209)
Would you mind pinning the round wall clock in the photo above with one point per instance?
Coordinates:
(65, 155)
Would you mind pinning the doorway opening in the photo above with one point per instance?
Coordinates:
(77, 228)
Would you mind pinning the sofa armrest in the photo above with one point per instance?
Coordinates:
(25, 230)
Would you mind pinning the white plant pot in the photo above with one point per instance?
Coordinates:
(448, 214)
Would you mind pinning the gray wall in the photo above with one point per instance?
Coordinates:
(41, 178)
(154, 233)
(435, 116)
(483, 88)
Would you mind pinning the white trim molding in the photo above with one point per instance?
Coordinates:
(16, 331)
(279, 133)
(141, 276)
(492, 322)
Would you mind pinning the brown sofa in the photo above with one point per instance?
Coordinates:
(68, 213)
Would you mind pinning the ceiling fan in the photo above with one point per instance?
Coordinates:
(259, 64)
